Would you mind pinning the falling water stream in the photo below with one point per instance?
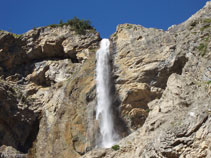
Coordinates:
(104, 103)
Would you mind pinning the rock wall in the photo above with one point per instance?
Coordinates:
(161, 91)
(162, 80)
(47, 91)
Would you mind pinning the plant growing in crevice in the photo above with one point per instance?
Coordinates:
(207, 20)
(204, 27)
(147, 110)
(206, 24)
(115, 147)
(203, 46)
(208, 82)
(115, 34)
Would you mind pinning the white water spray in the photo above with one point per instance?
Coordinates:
(104, 111)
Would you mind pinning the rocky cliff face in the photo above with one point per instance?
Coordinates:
(162, 79)
(47, 81)
(162, 91)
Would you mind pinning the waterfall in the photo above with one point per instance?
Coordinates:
(104, 102)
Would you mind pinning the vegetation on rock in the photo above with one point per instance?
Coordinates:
(16, 35)
(206, 24)
(203, 46)
(78, 25)
(115, 147)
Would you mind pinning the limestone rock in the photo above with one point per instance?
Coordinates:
(143, 59)
(19, 124)
(49, 72)
(176, 64)
(47, 85)
(43, 43)
(135, 97)
(64, 124)
(10, 152)
(145, 55)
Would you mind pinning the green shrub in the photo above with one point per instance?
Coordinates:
(115, 147)
(78, 25)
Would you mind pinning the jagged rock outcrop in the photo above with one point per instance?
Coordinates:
(44, 43)
(177, 64)
(8, 151)
(47, 82)
(143, 60)
(161, 91)
(18, 123)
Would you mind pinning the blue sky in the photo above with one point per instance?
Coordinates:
(20, 16)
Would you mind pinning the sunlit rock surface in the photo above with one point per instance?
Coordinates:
(161, 91)
(162, 80)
